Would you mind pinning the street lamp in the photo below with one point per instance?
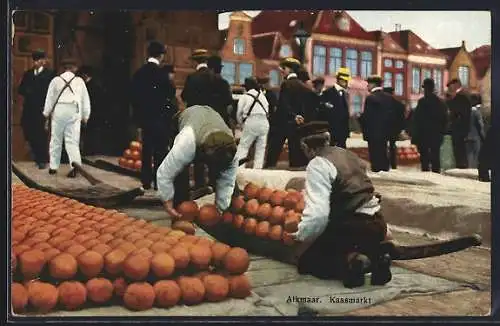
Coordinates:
(301, 36)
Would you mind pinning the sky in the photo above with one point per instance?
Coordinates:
(441, 29)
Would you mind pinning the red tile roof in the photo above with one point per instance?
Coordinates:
(327, 25)
(388, 44)
(282, 21)
(263, 45)
(481, 57)
(413, 44)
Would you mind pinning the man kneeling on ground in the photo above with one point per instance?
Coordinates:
(342, 227)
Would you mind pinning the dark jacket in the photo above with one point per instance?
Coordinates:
(34, 91)
(292, 102)
(376, 116)
(335, 110)
(152, 96)
(272, 99)
(97, 104)
(397, 119)
(222, 98)
(460, 114)
(429, 120)
(199, 88)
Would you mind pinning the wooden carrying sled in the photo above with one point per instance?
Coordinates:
(97, 193)
(112, 167)
(228, 234)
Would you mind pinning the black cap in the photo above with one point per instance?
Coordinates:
(428, 83)
(38, 54)
(374, 79)
(214, 62)
(155, 49)
(312, 128)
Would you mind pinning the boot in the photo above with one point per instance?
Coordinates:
(51, 171)
(355, 274)
(381, 271)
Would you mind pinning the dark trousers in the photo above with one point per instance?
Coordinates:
(379, 160)
(485, 159)
(37, 138)
(459, 152)
(276, 140)
(430, 155)
(326, 258)
(154, 151)
(393, 154)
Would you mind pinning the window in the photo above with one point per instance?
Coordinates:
(285, 51)
(357, 104)
(388, 63)
(426, 73)
(335, 60)
(463, 75)
(352, 61)
(274, 78)
(399, 84)
(415, 82)
(366, 64)
(400, 64)
(239, 46)
(246, 70)
(319, 60)
(438, 80)
(388, 79)
(229, 72)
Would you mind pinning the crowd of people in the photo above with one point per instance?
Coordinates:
(267, 119)
(314, 121)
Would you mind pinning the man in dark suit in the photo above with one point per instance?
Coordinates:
(289, 115)
(223, 96)
(396, 124)
(33, 88)
(199, 89)
(335, 108)
(429, 127)
(375, 121)
(95, 131)
(460, 107)
(153, 111)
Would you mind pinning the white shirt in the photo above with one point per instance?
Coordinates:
(292, 75)
(77, 95)
(180, 156)
(374, 89)
(154, 60)
(246, 101)
(320, 176)
(38, 71)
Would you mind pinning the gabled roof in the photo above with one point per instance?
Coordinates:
(450, 54)
(263, 44)
(326, 24)
(283, 21)
(413, 44)
(481, 58)
(388, 44)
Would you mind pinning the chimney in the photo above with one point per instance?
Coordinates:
(463, 44)
(397, 28)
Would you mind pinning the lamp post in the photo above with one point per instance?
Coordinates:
(301, 36)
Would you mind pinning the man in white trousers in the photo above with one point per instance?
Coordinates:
(68, 105)
(252, 115)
